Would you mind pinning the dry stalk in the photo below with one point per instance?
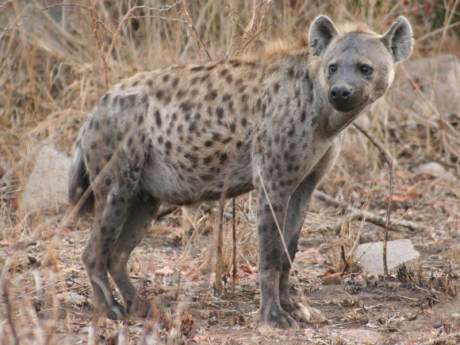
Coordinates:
(234, 270)
(192, 28)
(389, 161)
(219, 239)
(97, 36)
(280, 231)
(447, 19)
(9, 311)
(255, 27)
(344, 259)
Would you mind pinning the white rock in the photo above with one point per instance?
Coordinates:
(428, 87)
(46, 188)
(434, 169)
(72, 298)
(370, 255)
(360, 336)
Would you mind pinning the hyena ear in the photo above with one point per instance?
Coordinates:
(322, 32)
(399, 39)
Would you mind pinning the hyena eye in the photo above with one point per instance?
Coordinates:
(332, 68)
(366, 69)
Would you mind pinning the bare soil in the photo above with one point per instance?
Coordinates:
(418, 304)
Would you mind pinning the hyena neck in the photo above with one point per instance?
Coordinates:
(338, 121)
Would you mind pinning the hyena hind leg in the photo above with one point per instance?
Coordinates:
(111, 214)
(141, 213)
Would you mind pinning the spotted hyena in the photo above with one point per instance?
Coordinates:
(270, 121)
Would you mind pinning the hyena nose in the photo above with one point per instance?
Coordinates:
(341, 93)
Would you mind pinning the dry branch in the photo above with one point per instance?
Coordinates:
(355, 213)
(97, 36)
(9, 311)
(255, 27)
(194, 31)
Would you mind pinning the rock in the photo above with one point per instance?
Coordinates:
(360, 336)
(428, 86)
(72, 298)
(310, 256)
(434, 169)
(46, 188)
(370, 255)
(332, 278)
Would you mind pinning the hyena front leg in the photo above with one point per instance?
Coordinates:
(298, 205)
(141, 213)
(270, 253)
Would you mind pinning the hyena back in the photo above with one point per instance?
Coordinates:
(186, 134)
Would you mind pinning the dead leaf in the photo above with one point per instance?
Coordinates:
(332, 278)
(165, 271)
(403, 197)
(246, 269)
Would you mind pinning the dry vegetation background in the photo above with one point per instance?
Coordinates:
(58, 57)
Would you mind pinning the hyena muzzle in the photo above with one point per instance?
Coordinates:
(185, 134)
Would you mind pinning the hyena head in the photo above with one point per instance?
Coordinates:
(357, 67)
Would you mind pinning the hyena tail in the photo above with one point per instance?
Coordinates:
(80, 193)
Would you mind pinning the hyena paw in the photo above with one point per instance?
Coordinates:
(274, 316)
(303, 313)
(140, 308)
(115, 311)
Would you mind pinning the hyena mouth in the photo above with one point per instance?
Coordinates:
(349, 106)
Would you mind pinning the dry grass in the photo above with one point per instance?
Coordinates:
(58, 57)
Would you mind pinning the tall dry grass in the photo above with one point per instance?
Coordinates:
(58, 57)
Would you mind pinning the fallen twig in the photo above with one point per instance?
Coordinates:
(355, 214)
(370, 217)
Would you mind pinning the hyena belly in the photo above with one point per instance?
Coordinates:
(188, 177)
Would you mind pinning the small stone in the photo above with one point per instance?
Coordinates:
(72, 298)
(370, 255)
(428, 84)
(434, 169)
(46, 188)
(360, 336)
(310, 256)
